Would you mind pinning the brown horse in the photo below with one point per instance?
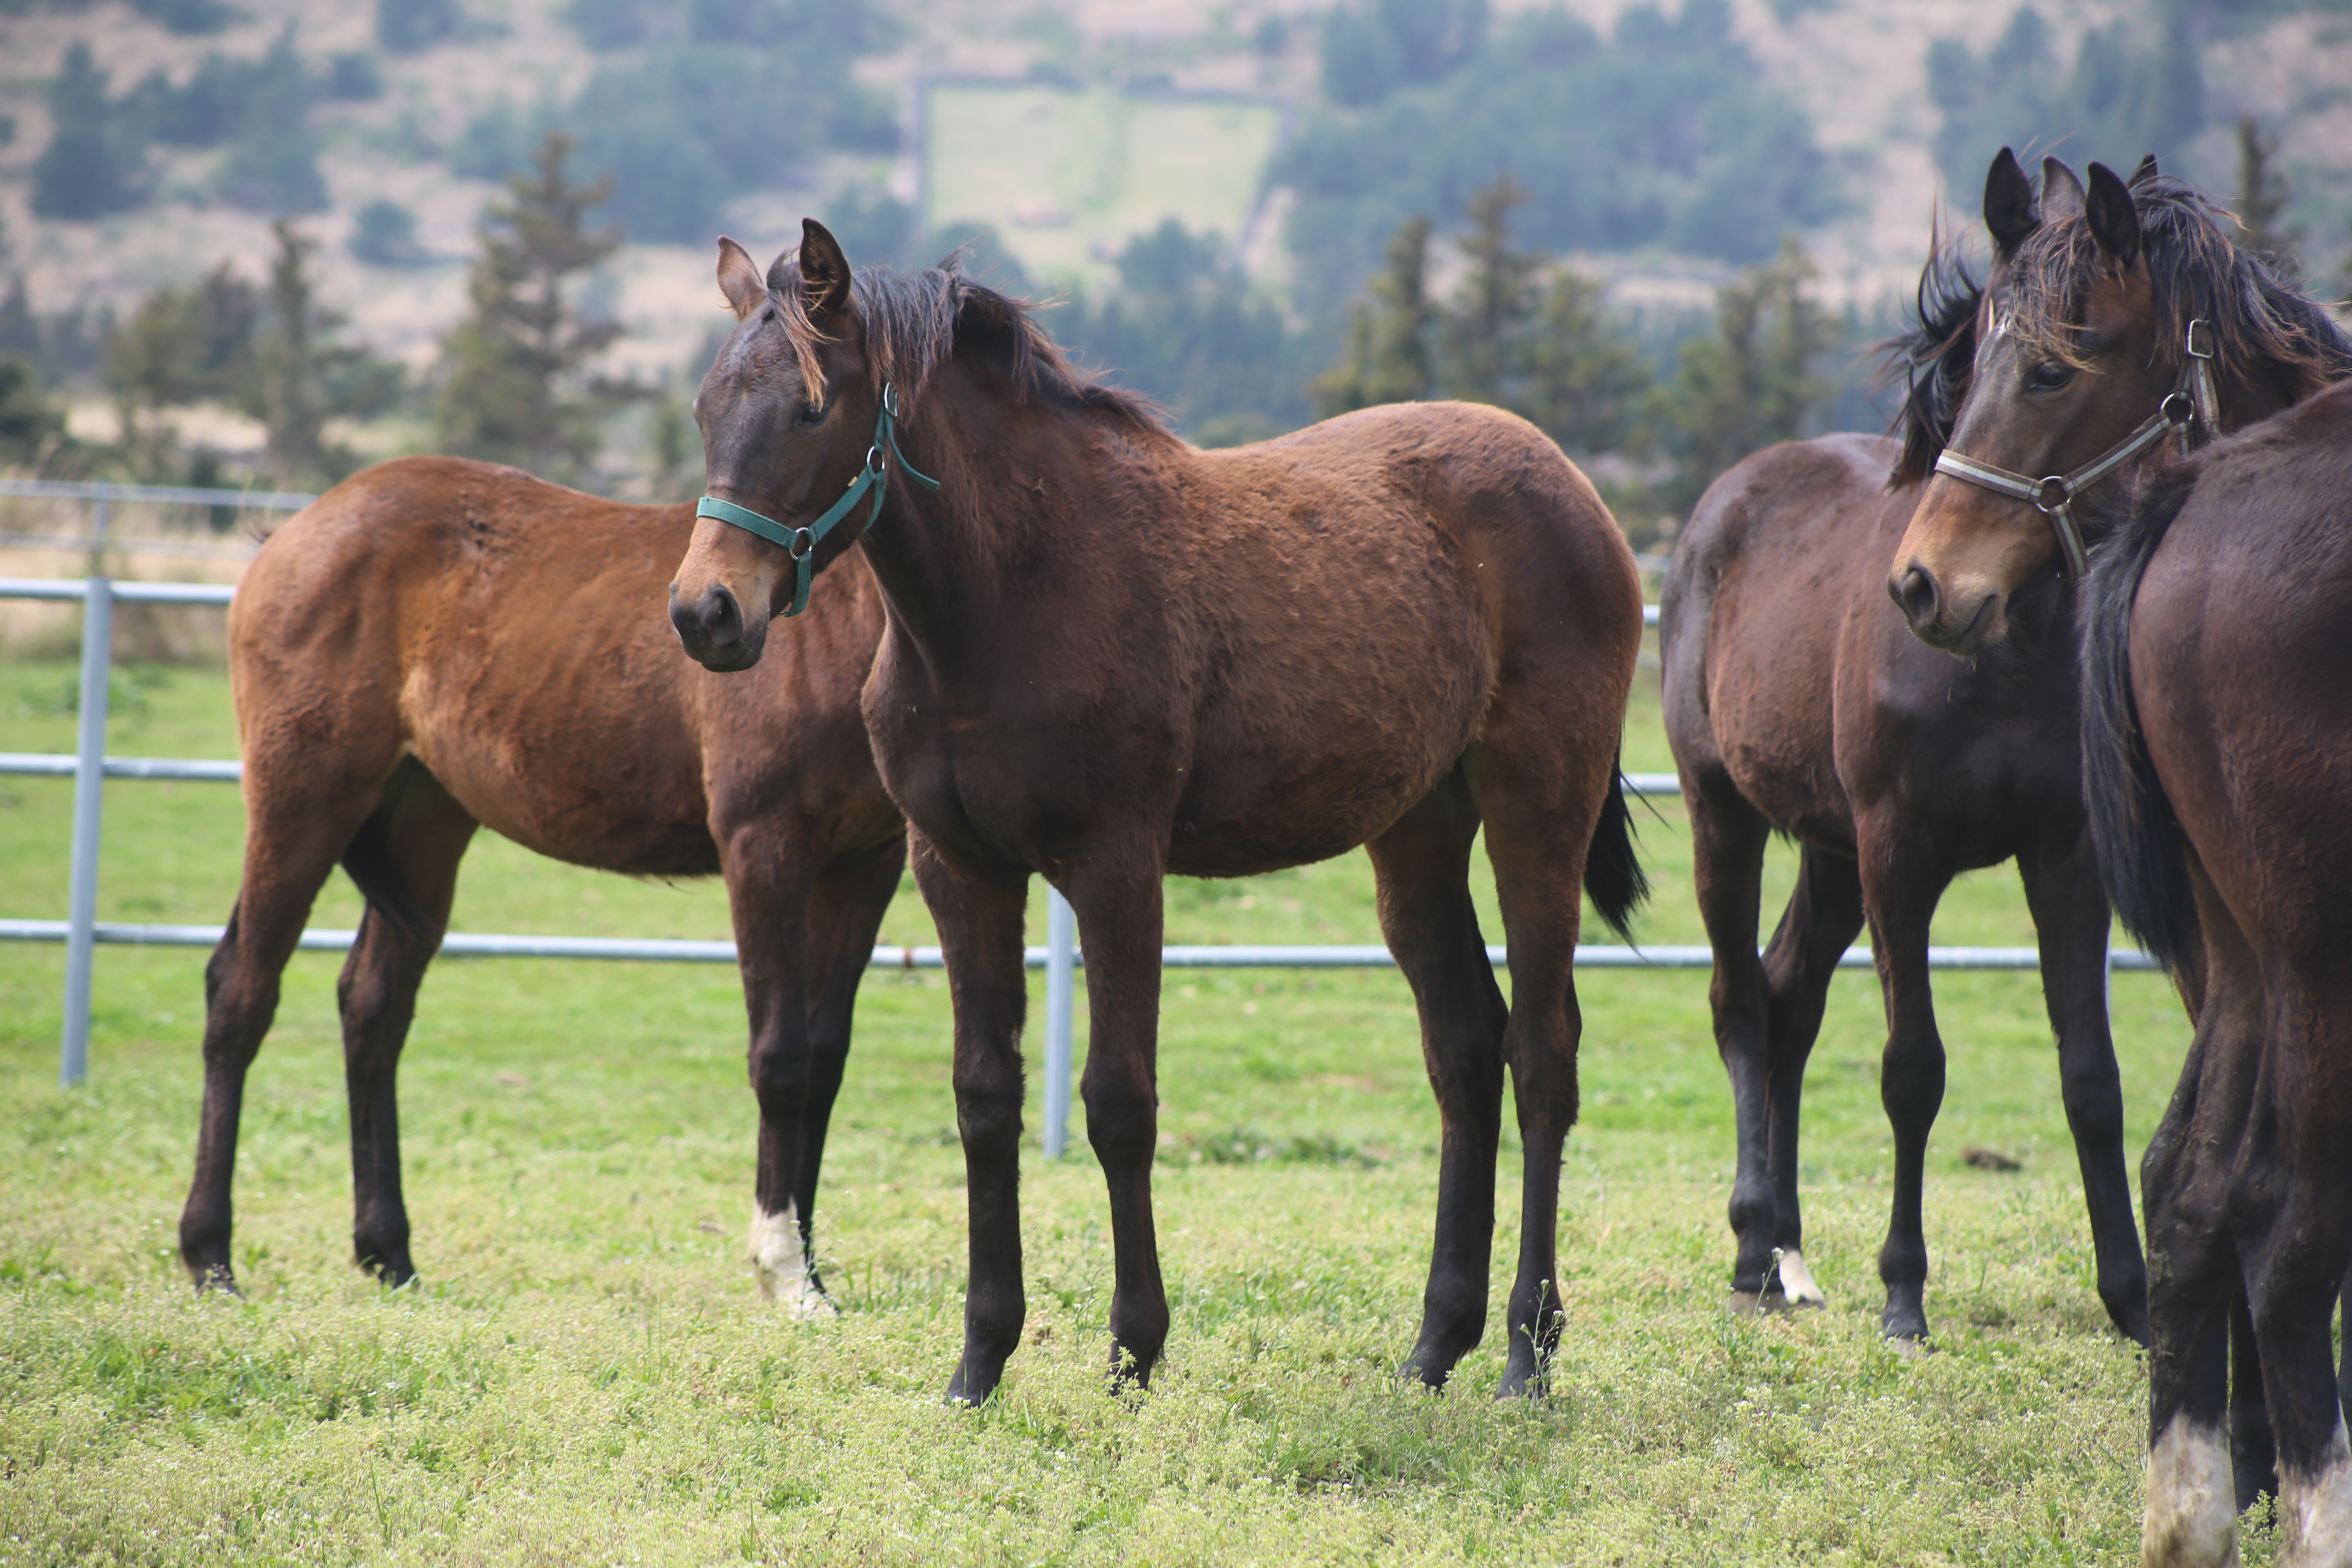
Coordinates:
(1798, 702)
(2105, 314)
(391, 699)
(1110, 657)
(2219, 743)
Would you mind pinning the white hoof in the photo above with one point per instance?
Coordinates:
(781, 1260)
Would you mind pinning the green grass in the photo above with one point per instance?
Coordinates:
(585, 1373)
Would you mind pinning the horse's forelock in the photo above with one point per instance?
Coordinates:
(2263, 325)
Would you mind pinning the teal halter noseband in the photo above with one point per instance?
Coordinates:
(800, 542)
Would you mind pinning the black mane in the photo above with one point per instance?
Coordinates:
(1934, 354)
(2268, 329)
(915, 322)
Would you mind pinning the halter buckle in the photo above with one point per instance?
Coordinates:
(2194, 338)
(2054, 493)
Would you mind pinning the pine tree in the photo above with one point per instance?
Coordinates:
(302, 374)
(91, 166)
(2264, 195)
(1484, 332)
(1389, 358)
(517, 387)
(1752, 383)
(1586, 378)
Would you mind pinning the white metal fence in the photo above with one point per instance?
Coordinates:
(89, 767)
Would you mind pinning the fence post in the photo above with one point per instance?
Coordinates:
(1061, 945)
(89, 782)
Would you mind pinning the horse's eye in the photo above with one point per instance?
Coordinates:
(810, 414)
(2048, 376)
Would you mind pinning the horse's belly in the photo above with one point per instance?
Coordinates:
(639, 814)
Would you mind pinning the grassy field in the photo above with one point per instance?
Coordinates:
(584, 1372)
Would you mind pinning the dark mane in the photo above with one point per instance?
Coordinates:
(1933, 354)
(2268, 329)
(917, 322)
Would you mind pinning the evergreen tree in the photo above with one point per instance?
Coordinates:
(1586, 378)
(1485, 328)
(302, 375)
(180, 346)
(1753, 382)
(91, 166)
(2263, 196)
(518, 388)
(29, 428)
(1389, 358)
(273, 164)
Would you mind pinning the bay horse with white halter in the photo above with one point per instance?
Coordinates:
(1110, 657)
(435, 646)
(2218, 776)
(1796, 702)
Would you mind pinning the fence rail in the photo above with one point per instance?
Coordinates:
(81, 931)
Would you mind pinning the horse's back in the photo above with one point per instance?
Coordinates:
(1764, 581)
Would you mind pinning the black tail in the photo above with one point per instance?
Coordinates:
(2142, 854)
(1612, 872)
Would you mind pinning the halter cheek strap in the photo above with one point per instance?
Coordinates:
(2191, 406)
(867, 486)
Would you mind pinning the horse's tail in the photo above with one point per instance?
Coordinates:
(2143, 856)
(1613, 878)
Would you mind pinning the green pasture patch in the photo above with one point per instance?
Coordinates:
(1067, 175)
(584, 1372)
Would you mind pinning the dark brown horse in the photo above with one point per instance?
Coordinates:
(1796, 702)
(435, 646)
(1110, 657)
(2217, 776)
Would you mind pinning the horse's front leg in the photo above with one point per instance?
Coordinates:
(979, 910)
(1900, 887)
(1117, 900)
(768, 878)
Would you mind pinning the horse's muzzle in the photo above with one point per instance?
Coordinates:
(713, 630)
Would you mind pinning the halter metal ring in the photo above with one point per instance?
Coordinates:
(874, 460)
(2177, 408)
(2053, 493)
(804, 543)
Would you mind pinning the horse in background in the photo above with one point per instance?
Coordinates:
(435, 646)
(1110, 657)
(1798, 702)
(2218, 777)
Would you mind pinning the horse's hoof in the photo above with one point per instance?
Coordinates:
(214, 1280)
(1798, 1288)
(1910, 1347)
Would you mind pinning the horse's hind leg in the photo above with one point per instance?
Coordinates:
(2292, 1212)
(844, 917)
(1423, 865)
(1538, 828)
(1901, 885)
(1728, 840)
(295, 832)
(2071, 922)
(1822, 916)
(404, 858)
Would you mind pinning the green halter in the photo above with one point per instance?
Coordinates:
(800, 542)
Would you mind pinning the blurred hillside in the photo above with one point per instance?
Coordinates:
(143, 142)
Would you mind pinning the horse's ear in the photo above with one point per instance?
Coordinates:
(2146, 170)
(738, 278)
(2011, 211)
(2114, 220)
(2062, 193)
(824, 270)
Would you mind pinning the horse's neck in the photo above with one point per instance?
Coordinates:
(1006, 471)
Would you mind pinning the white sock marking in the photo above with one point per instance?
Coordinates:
(2315, 1513)
(1797, 1281)
(2192, 1499)
(783, 1265)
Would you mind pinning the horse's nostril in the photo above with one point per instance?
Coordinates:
(722, 618)
(1914, 590)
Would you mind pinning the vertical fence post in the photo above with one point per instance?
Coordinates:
(1061, 950)
(90, 781)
